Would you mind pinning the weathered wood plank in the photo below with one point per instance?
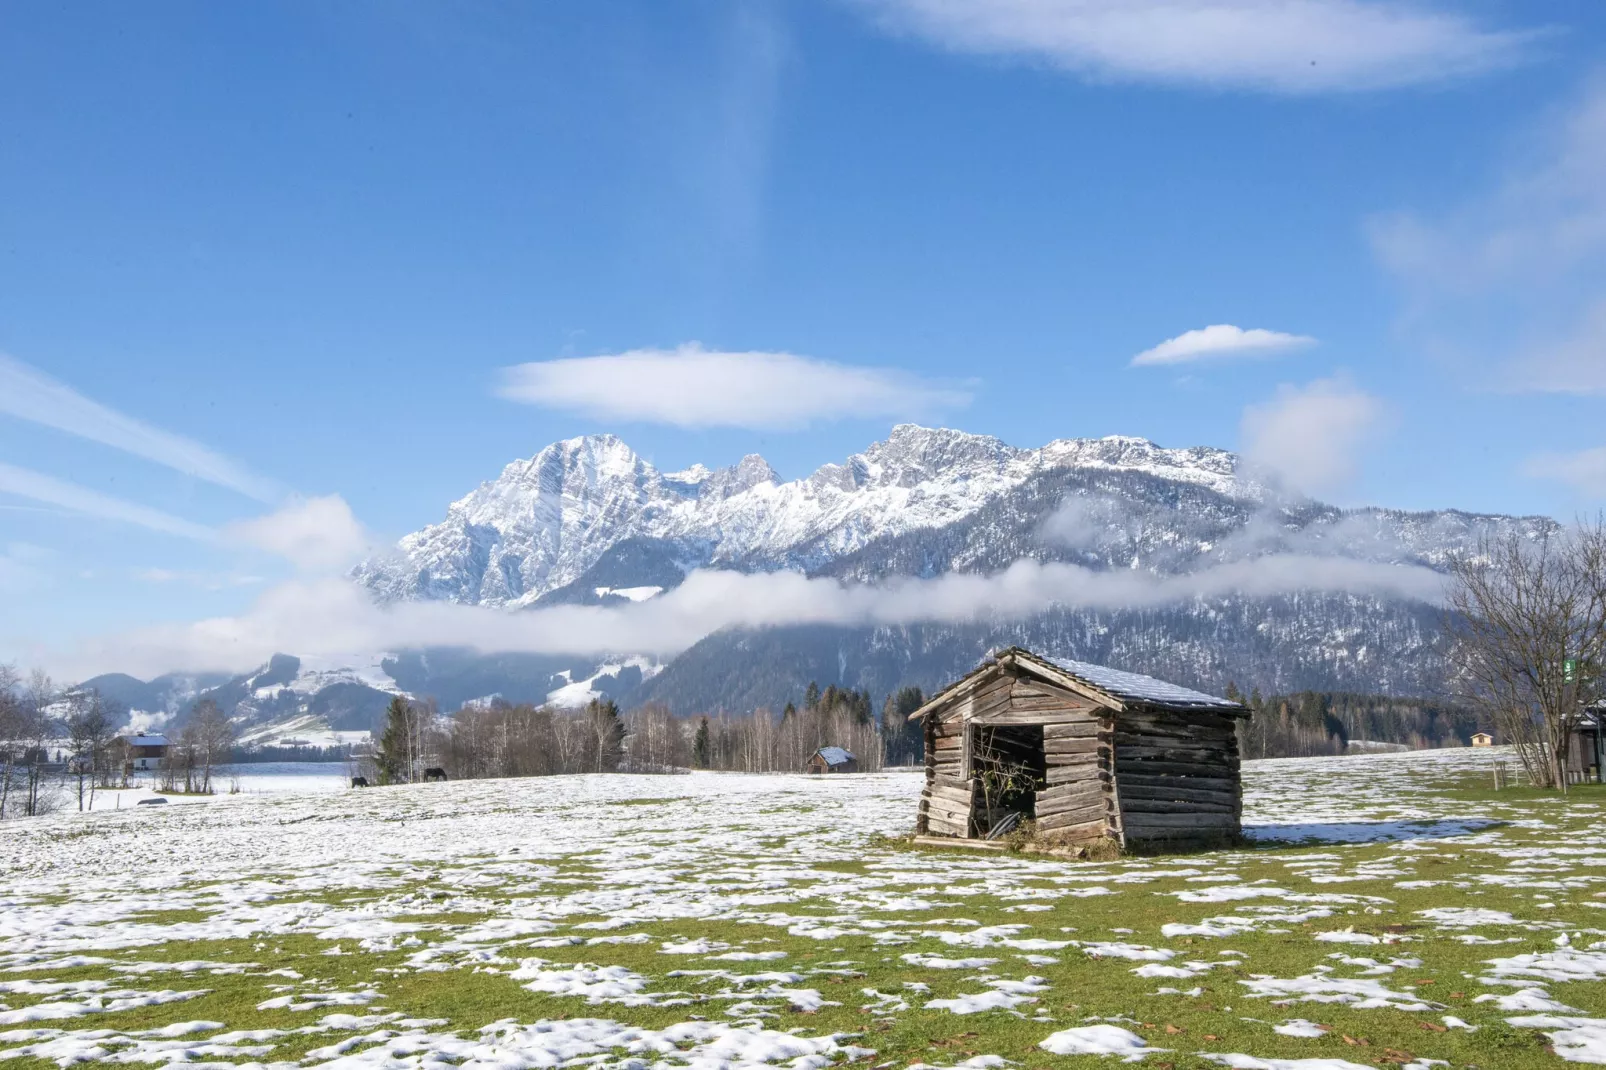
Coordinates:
(1181, 794)
(1081, 729)
(1130, 779)
(1053, 748)
(1155, 767)
(1015, 716)
(1048, 803)
(941, 825)
(1188, 820)
(1173, 806)
(1084, 811)
(1068, 830)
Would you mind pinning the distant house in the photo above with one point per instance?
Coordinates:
(1482, 739)
(1585, 747)
(1087, 752)
(147, 752)
(832, 760)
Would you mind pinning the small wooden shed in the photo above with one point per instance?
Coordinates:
(1086, 751)
(1482, 739)
(832, 760)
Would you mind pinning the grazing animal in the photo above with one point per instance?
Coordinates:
(359, 782)
(435, 773)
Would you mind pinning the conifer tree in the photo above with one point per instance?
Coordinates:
(699, 743)
(811, 697)
(395, 755)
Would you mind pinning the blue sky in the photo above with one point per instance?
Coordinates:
(309, 239)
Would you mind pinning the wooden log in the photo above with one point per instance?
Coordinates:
(1180, 794)
(1085, 811)
(1185, 821)
(1169, 806)
(1079, 729)
(1134, 778)
(1155, 767)
(1067, 828)
(1059, 799)
(958, 794)
(1014, 716)
(1086, 745)
(1073, 773)
(1169, 752)
(942, 825)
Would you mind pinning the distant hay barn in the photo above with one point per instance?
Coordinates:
(1482, 739)
(1084, 751)
(832, 760)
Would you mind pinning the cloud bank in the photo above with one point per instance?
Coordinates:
(1220, 341)
(47, 489)
(315, 534)
(1278, 46)
(1584, 471)
(694, 387)
(1311, 437)
(333, 617)
(29, 394)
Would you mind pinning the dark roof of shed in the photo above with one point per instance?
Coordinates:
(1116, 686)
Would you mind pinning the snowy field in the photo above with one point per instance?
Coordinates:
(256, 778)
(1392, 911)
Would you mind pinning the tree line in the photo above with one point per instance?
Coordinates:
(504, 739)
(59, 745)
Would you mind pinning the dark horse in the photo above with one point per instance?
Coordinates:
(359, 782)
(434, 773)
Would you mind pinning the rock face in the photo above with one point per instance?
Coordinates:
(545, 523)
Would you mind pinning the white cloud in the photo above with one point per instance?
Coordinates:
(694, 387)
(332, 617)
(316, 534)
(28, 394)
(1584, 471)
(1511, 284)
(51, 491)
(1282, 46)
(1220, 341)
(1311, 437)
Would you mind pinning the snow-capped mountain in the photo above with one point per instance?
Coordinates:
(590, 509)
(589, 520)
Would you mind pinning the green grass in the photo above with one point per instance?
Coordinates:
(1468, 872)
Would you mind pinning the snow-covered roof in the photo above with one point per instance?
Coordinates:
(1119, 686)
(1139, 688)
(835, 755)
(147, 741)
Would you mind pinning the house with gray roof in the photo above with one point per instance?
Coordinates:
(1084, 752)
(832, 760)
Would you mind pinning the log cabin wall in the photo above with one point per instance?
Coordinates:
(1075, 803)
(1176, 775)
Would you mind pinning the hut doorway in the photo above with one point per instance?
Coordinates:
(1008, 768)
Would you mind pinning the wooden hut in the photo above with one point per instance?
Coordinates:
(832, 760)
(1085, 751)
(1482, 739)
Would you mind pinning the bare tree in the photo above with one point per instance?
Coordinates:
(38, 726)
(209, 736)
(1528, 626)
(89, 728)
(11, 730)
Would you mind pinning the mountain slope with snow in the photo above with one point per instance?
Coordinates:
(546, 522)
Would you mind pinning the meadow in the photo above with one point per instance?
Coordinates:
(1387, 910)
